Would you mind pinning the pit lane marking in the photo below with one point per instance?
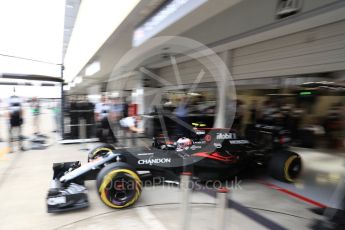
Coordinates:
(150, 219)
(292, 194)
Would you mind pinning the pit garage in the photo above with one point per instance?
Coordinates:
(181, 115)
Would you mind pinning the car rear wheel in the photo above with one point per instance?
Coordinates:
(285, 166)
(100, 150)
(118, 185)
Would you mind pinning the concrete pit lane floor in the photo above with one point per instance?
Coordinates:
(25, 178)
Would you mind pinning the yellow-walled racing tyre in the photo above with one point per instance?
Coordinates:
(99, 151)
(285, 166)
(118, 185)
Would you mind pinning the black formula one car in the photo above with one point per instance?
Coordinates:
(209, 154)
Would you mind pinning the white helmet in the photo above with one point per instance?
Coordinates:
(183, 143)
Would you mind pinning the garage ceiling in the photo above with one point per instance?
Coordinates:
(121, 40)
(71, 12)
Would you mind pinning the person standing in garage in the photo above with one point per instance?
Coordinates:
(15, 115)
(253, 112)
(181, 113)
(333, 124)
(35, 107)
(237, 125)
(115, 115)
(101, 117)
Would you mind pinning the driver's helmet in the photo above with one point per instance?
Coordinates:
(183, 143)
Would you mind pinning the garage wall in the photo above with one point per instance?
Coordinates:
(319, 49)
(188, 71)
(247, 100)
(243, 17)
(324, 103)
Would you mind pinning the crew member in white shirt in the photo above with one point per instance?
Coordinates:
(101, 117)
(130, 126)
(131, 123)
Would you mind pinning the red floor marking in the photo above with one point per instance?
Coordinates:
(293, 194)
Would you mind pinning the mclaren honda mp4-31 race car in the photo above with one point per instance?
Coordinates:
(210, 154)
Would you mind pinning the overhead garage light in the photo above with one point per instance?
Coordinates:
(72, 84)
(304, 93)
(66, 87)
(36, 83)
(94, 97)
(78, 79)
(140, 91)
(93, 68)
(169, 13)
(194, 94)
(115, 94)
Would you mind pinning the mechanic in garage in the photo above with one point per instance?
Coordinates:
(35, 107)
(15, 121)
(101, 117)
(130, 126)
(115, 115)
(181, 113)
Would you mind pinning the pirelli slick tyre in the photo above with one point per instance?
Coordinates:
(285, 166)
(99, 151)
(118, 185)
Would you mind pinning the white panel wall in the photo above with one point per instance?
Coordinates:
(243, 17)
(320, 49)
(188, 72)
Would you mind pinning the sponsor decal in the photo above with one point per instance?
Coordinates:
(225, 136)
(193, 147)
(56, 200)
(144, 154)
(217, 156)
(200, 132)
(152, 161)
(238, 142)
(199, 142)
